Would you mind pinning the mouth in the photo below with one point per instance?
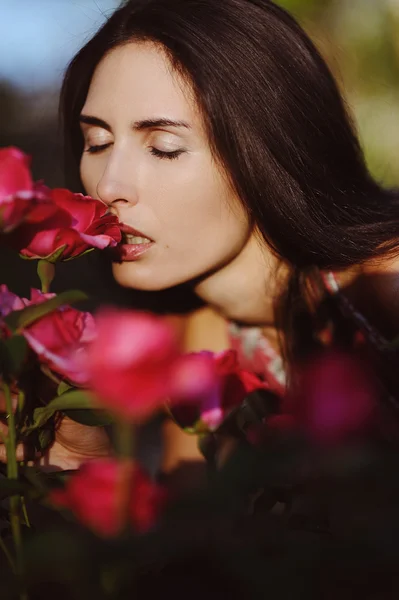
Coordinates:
(133, 236)
(133, 245)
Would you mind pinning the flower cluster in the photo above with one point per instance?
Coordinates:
(121, 367)
(49, 224)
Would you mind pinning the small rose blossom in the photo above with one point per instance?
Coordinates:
(80, 224)
(134, 365)
(21, 200)
(60, 338)
(107, 495)
(234, 384)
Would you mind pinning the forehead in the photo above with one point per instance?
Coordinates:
(138, 78)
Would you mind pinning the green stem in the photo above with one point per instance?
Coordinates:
(24, 511)
(124, 439)
(46, 272)
(12, 473)
(21, 401)
(7, 553)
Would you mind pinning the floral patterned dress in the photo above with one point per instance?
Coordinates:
(255, 353)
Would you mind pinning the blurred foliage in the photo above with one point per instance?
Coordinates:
(360, 40)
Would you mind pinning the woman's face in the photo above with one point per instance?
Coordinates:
(147, 156)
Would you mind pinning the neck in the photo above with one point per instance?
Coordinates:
(246, 288)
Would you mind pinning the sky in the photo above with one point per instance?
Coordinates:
(39, 37)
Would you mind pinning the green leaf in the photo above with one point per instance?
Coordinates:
(45, 437)
(71, 400)
(17, 349)
(63, 387)
(83, 253)
(19, 319)
(12, 487)
(93, 418)
(52, 258)
(12, 355)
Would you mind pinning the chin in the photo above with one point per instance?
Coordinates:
(130, 275)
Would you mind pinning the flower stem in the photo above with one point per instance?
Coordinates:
(46, 272)
(12, 473)
(7, 553)
(21, 401)
(124, 439)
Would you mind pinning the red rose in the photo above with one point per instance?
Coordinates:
(212, 407)
(60, 338)
(21, 201)
(134, 365)
(80, 224)
(235, 385)
(107, 495)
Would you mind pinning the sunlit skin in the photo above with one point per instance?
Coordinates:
(162, 180)
(147, 156)
(184, 202)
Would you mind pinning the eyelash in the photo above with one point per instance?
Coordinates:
(154, 151)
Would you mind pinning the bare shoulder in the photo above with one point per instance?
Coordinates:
(204, 329)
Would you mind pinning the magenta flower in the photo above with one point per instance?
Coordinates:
(58, 338)
(107, 495)
(134, 365)
(79, 224)
(335, 398)
(21, 200)
(211, 408)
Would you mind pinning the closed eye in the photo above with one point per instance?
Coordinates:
(95, 149)
(166, 155)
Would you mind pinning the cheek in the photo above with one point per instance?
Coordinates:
(205, 217)
(89, 177)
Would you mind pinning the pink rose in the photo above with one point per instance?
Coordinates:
(80, 224)
(10, 301)
(21, 201)
(60, 338)
(107, 495)
(234, 384)
(335, 397)
(134, 365)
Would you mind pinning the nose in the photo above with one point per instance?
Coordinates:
(116, 185)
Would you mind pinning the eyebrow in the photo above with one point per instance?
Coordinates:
(137, 125)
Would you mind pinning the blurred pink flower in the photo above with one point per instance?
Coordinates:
(134, 365)
(107, 495)
(335, 397)
(21, 200)
(214, 405)
(79, 224)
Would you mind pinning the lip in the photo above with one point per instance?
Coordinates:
(128, 229)
(130, 252)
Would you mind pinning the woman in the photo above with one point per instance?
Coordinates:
(217, 135)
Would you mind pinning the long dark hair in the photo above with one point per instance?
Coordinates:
(275, 119)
